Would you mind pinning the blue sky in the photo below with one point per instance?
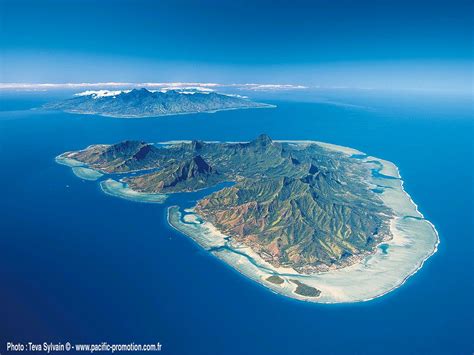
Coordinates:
(334, 43)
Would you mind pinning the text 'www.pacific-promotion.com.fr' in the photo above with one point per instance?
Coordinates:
(89, 348)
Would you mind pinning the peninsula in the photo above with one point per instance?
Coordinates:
(138, 103)
(308, 220)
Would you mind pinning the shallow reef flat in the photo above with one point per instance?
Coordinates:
(79, 168)
(120, 189)
(64, 160)
(86, 173)
(408, 238)
(414, 240)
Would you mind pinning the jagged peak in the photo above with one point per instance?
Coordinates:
(128, 144)
(197, 164)
(140, 91)
(143, 151)
(262, 140)
(196, 145)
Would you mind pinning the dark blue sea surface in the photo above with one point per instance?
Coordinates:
(81, 266)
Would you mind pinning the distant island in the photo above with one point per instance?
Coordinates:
(138, 103)
(308, 220)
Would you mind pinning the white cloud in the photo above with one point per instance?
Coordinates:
(180, 85)
(192, 86)
(239, 96)
(270, 87)
(101, 93)
(188, 89)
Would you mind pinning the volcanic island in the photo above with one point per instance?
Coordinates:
(308, 220)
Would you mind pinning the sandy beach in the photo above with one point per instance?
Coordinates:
(79, 169)
(414, 240)
(120, 189)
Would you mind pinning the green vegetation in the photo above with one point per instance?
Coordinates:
(296, 205)
(305, 290)
(275, 279)
(145, 103)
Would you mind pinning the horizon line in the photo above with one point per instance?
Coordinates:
(206, 86)
(168, 85)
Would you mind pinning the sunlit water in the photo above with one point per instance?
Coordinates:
(79, 265)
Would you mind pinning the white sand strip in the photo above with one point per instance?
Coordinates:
(414, 240)
(119, 189)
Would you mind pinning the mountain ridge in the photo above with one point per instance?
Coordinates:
(140, 103)
(300, 206)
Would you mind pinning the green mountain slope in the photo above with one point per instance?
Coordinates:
(296, 205)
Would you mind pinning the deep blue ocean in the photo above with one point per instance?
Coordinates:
(80, 266)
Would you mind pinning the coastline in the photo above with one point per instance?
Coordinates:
(81, 170)
(119, 189)
(164, 114)
(414, 241)
(374, 275)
